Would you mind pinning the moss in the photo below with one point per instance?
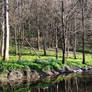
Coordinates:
(67, 68)
(4, 75)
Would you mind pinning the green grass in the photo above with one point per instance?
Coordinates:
(50, 55)
(44, 63)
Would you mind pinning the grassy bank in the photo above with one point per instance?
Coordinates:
(30, 64)
(31, 60)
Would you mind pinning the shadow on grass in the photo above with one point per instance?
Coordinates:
(87, 52)
(33, 54)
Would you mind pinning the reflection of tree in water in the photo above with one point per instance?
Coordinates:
(71, 85)
(79, 83)
(76, 84)
(29, 90)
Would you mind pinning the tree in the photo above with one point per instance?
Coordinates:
(56, 43)
(6, 31)
(83, 30)
(63, 30)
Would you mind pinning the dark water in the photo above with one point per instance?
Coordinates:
(70, 83)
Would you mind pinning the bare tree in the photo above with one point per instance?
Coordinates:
(6, 33)
(83, 30)
(63, 30)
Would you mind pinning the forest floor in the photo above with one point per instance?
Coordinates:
(51, 54)
(32, 67)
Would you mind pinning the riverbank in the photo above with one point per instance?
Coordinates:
(54, 83)
(16, 72)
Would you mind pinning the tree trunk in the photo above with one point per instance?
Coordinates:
(44, 43)
(6, 29)
(2, 43)
(63, 30)
(83, 36)
(44, 47)
(16, 48)
(29, 35)
(74, 48)
(38, 38)
(68, 50)
(56, 45)
(20, 44)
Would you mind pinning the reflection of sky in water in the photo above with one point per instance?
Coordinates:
(79, 83)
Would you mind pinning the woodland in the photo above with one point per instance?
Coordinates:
(45, 35)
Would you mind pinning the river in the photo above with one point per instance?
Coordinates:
(81, 82)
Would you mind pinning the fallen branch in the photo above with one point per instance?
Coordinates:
(32, 47)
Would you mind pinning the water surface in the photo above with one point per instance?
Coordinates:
(71, 83)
